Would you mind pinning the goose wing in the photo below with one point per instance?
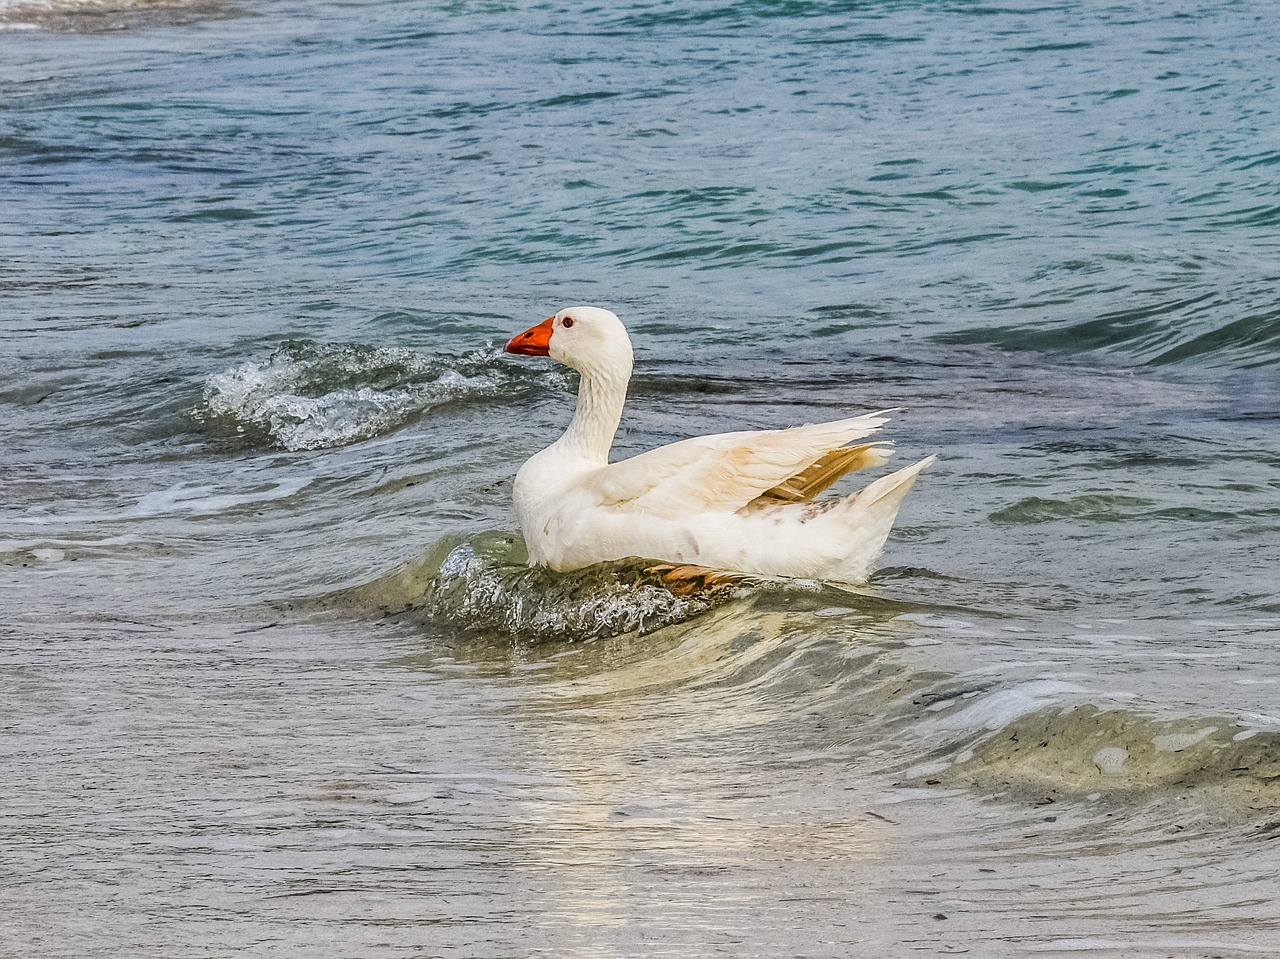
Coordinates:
(727, 471)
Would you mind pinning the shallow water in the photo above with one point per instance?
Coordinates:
(275, 677)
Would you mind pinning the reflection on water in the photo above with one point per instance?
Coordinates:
(724, 783)
(739, 658)
(706, 788)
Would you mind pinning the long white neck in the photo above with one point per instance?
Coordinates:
(601, 395)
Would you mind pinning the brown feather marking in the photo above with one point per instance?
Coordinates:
(812, 480)
(688, 580)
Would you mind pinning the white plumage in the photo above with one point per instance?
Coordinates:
(733, 501)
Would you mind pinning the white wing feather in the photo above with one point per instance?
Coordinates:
(722, 473)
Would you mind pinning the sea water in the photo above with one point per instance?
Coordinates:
(276, 680)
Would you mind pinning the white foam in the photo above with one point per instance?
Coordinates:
(1110, 760)
(999, 708)
(205, 501)
(485, 583)
(934, 621)
(1176, 742)
(72, 7)
(287, 395)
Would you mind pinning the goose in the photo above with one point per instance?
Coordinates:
(739, 502)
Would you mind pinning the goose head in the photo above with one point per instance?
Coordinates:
(586, 338)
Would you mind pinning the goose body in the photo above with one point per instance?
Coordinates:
(740, 501)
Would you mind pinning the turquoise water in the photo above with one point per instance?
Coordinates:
(275, 680)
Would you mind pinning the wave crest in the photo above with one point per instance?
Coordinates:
(317, 395)
(482, 583)
(1079, 750)
(100, 16)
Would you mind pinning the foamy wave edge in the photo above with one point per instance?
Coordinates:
(309, 396)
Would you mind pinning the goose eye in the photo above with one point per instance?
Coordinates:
(567, 322)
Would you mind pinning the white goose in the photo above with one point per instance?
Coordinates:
(733, 501)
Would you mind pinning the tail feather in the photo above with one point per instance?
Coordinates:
(869, 517)
(892, 487)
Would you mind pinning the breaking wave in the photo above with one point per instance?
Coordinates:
(483, 583)
(1087, 749)
(99, 16)
(309, 396)
(832, 653)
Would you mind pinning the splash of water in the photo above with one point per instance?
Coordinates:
(319, 395)
(483, 584)
(100, 16)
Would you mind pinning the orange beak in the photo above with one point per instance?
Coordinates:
(533, 342)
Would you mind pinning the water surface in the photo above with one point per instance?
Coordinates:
(276, 680)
